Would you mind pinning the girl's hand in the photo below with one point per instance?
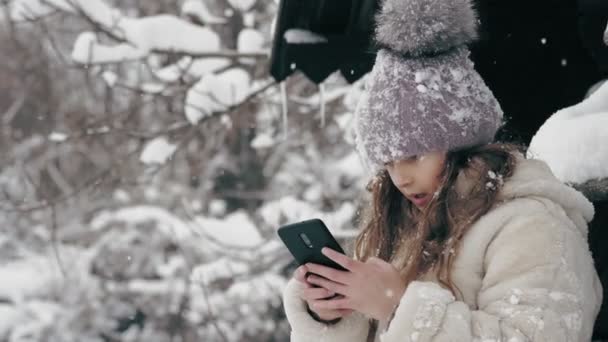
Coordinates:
(373, 288)
(316, 295)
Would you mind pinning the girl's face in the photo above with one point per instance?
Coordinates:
(418, 177)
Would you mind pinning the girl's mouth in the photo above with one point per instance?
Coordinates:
(420, 199)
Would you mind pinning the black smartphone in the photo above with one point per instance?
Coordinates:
(306, 239)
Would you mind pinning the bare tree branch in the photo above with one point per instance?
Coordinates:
(82, 14)
(44, 204)
(229, 54)
(46, 32)
(29, 15)
(212, 315)
(54, 242)
(58, 178)
(15, 107)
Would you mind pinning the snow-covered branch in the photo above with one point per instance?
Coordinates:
(136, 37)
(215, 96)
(154, 34)
(152, 109)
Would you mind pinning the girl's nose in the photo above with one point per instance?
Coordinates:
(404, 182)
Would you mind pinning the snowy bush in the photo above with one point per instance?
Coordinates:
(148, 159)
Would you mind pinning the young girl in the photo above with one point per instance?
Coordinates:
(464, 239)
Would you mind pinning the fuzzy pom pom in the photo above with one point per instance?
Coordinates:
(425, 27)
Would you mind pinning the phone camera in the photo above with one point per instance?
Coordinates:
(306, 240)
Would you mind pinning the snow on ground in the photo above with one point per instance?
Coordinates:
(573, 141)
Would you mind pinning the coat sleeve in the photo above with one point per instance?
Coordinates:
(352, 328)
(539, 284)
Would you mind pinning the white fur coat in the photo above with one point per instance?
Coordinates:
(524, 269)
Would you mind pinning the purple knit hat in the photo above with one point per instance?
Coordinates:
(423, 94)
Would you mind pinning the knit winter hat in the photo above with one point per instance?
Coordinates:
(423, 94)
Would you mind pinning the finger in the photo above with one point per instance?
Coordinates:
(327, 284)
(378, 263)
(300, 274)
(334, 304)
(374, 260)
(302, 278)
(340, 259)
(316, 293)
(329, 273)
